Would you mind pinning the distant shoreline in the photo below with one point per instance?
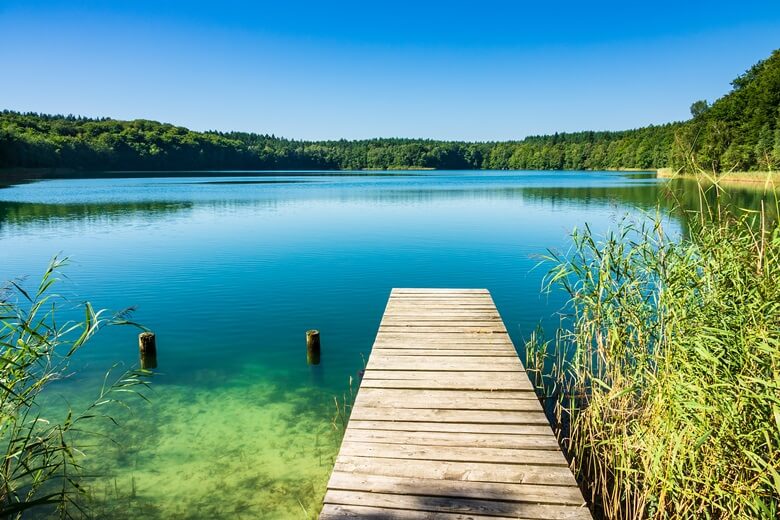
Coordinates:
(63, 172)
(10, 176)
(756, 178)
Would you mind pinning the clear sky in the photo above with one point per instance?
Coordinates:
(477, 70)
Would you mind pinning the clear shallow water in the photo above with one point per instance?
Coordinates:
(230, 271)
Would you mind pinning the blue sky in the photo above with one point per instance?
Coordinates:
(319, 70)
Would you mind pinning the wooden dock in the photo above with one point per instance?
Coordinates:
(446, 424)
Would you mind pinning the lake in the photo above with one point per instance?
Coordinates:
(230, 270)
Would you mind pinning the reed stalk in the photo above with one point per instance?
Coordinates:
(663, 382)
(42, 449)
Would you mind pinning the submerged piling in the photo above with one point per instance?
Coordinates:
(313, 347)
(147, 348)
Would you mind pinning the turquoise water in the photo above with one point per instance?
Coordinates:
(230, 271)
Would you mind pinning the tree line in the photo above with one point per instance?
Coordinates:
(740, 131)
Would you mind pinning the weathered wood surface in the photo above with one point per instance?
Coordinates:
(446, 425)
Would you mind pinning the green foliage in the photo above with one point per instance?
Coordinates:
(738, 131)
(42, 141)
(665, 377)
(41, 454)
(699, 107)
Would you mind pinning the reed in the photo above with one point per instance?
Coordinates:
(663, 381)
(343, 405)
(42, 448)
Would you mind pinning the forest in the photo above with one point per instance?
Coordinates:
(740, 131)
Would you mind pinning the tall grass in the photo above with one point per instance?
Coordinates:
(664, 378)
(41, 448)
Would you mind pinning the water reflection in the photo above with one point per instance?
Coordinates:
(30, 213)
(145, 198)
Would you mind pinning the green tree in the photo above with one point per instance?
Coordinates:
(776, 148)
(764, 148)
(699, 107)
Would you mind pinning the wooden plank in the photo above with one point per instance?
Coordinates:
(437, 326)
(541, 457)
(497, 364)
(396, 356)
(462, 300)
(530, 493)
(411, 347)
(508, 376)
(441, 349)
(446, 424)
(449, 352)
(462, 471)
(462, 505)
(439, 302)
(450, 302)
(434, 338)
(341, 511)
(433, 308)
(476, 384)
(365, 413)
(456, 295)
(438, 342)
(433, 290)
(449, 311)
(400, 396)
(475, 360)
(445, 330)
(440, 321)
(430, 295)
(417, 323)
(446, 321)
(412, 338)
(507, 405)
(479, 440)
(444, 403)
(429, 426)
(438, 315)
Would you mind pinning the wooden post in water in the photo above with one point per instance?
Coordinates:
(313, 347)
(147, 347)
